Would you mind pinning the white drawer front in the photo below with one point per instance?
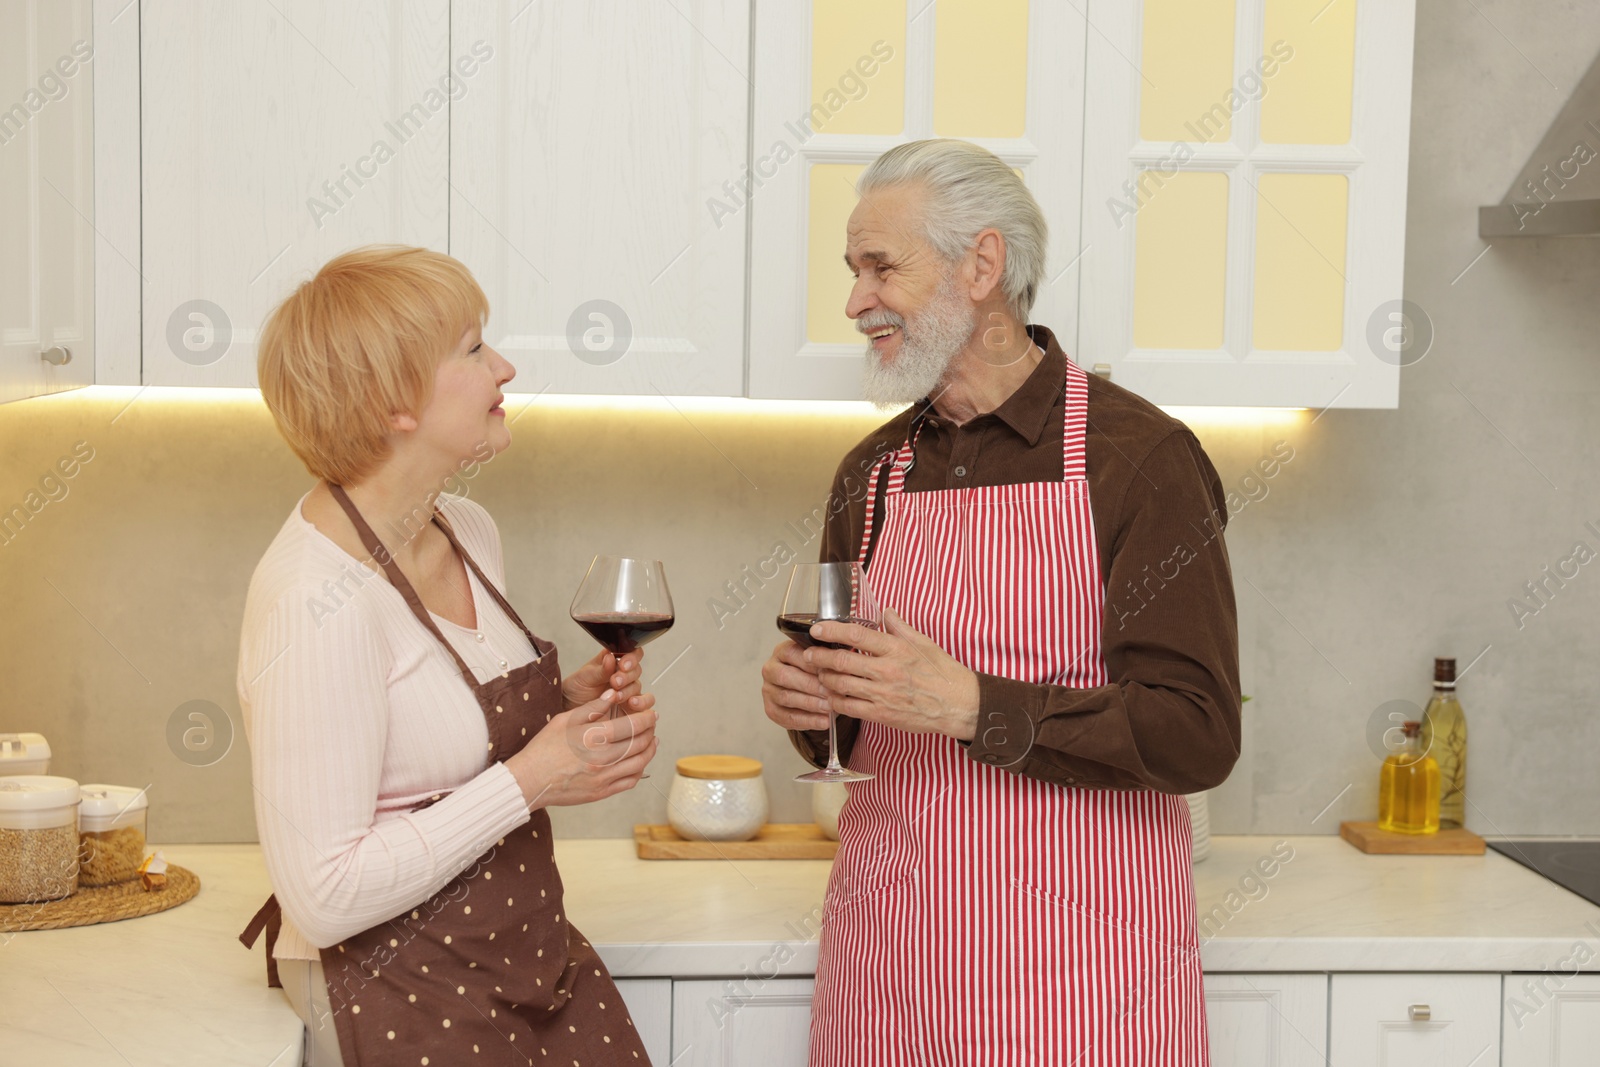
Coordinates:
(1415, 1020)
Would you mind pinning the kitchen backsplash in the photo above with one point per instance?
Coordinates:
(126, 586)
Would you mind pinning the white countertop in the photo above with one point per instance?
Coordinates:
(1328, 908)
(171, 989)
(1334, 908)
(177, 988)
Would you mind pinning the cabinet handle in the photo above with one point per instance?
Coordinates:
(59, 355)
(1102, 370)
(1420, 1013)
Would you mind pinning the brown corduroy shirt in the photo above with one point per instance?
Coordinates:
(1168, 717)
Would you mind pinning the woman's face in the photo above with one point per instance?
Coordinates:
(464, 413)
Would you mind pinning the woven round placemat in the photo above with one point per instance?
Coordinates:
(102, 904)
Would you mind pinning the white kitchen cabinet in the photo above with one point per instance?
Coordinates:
(1551, 1020)
(46, 197)
(274, 137)
(836, 85)
(649, 1003)
(1420, 1020)
(1267, 1020)
(584, 160)
(1244, 193)
(726, 1023)
(654, 196)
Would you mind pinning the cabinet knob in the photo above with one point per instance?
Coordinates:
(1420, 1013)
(59, 355)
(1102, 370)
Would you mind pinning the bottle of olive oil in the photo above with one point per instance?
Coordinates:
(1408, 788)
(1444, 737)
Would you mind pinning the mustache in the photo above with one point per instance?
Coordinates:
(876, 320)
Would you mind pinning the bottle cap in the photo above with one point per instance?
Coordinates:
(1444, 671)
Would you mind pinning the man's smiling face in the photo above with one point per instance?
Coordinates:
(896, 269)
(906, 298)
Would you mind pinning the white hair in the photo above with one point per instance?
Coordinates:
(969, 190)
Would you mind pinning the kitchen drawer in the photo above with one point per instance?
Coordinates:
(1420, 1020)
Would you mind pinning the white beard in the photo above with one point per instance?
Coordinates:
(929, 342)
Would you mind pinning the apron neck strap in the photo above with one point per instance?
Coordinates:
(402, 584)
(1075, 420)
(540, 646)
(890, 472)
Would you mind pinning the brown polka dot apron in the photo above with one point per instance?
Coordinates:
(488, 970)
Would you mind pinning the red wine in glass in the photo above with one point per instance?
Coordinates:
(624, 604)
(828, 592)
(621, 632)
(797, 628)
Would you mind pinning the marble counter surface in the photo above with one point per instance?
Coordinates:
(1326, 907)
(177, 988)
(1334, 908)
(174, 989)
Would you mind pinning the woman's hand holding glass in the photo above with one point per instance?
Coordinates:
(587, 753)
(607, 671)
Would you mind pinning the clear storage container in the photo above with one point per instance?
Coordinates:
(111, 833)
(24, 754)
(38, 838)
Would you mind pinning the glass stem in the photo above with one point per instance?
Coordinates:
(833, 744)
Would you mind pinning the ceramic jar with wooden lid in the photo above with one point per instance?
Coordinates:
(717, 798)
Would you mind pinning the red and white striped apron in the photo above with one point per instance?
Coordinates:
(975, 916)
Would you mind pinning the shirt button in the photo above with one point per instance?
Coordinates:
(991, 758)
(478, 636)
(502, 663)
(961, 472)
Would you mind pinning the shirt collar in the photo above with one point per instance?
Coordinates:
(1029, 408)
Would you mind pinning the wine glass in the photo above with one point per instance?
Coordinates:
(623, 603)
(819, 592)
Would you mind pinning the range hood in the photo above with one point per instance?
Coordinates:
(1557, 194)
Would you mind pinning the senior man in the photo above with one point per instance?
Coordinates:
(1058, 664)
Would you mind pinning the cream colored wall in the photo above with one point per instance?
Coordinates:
(124, 596)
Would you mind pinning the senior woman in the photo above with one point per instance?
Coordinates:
(407, 731)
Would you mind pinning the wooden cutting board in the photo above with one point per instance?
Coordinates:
(1368, 838)
(775, 841)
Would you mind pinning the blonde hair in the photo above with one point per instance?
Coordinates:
(357, 342)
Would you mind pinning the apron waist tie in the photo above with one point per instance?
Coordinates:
(270, 919)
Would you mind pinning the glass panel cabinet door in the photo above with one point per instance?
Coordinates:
(1244, 200)
(838, 83)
